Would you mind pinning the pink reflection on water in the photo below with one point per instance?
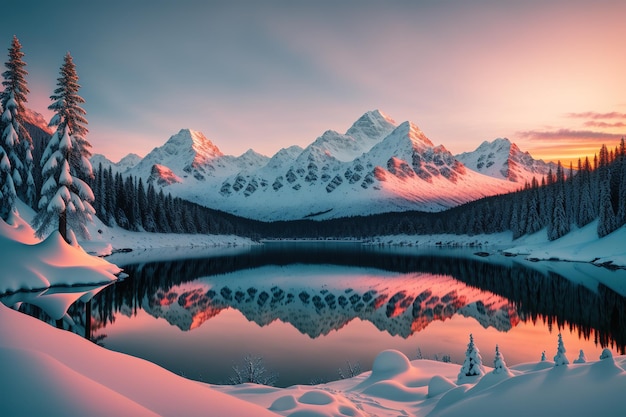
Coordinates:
(313, 324)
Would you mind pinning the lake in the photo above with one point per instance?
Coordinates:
(309, 309)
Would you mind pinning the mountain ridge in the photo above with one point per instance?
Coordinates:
(376, 166)
(502, 158)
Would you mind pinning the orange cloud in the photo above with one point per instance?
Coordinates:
(569, 135)
(596, 115)
(604, 125)
(567, 145)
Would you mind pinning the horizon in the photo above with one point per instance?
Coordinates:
(268, 76)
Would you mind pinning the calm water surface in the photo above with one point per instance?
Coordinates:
(309, 308)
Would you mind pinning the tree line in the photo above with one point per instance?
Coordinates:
(127, 202)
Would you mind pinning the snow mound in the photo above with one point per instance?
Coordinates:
(438, 385)
(393, 390)
(389, 363)
(315, 403)
(16, 228)
(394, 378)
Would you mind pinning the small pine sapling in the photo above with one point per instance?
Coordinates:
(473, 364)
(581, 357)
(499, 366)
(560, 358)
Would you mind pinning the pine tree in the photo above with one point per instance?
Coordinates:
(16, 141)
(533, 223)
(473, 364)
(586, 207)
(608, 220)
(581, 357)
(560, 358)
(621, 210)
(559, 224)
(7, 188)
(499, 366)
(65, 196)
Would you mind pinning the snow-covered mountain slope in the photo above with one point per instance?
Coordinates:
(192, 157)
(402, 171)
(376, 166)
(362, 136)
(503, 159)
(36, 119)
(124, 164)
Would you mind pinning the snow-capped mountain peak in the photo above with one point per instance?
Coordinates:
(123, 166)
(502, 158)
(187, 153)
(188, 140)
(371, 128)
(252, 159)
(408, 145)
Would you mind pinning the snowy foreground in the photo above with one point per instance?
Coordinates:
(51, 372)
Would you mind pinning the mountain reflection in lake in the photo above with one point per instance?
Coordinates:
(309, 308)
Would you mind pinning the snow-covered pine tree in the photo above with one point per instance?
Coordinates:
(499, 366)
(621, 211)
(7, 188)
(16, 141)
(473, 363)
(559, 224)
(607, 222)
(560, 358)
(586, 206)
(581, 357)
(533, 223)
(65, 195)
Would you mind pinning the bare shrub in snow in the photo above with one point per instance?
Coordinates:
(252, 371)
(351, 370)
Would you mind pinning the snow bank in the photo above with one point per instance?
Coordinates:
(17, 229)
(49, 263)
(53, 372)
(582, 245)
(444, 240)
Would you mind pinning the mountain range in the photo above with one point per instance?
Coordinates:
(376, 166)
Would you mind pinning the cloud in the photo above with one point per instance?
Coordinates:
(596, 115)
(568, 135)
(604, 125)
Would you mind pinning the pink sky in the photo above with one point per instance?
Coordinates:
(548, 75)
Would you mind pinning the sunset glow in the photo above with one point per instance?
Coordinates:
(273, 74)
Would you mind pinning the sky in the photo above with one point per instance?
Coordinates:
(549, 75)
